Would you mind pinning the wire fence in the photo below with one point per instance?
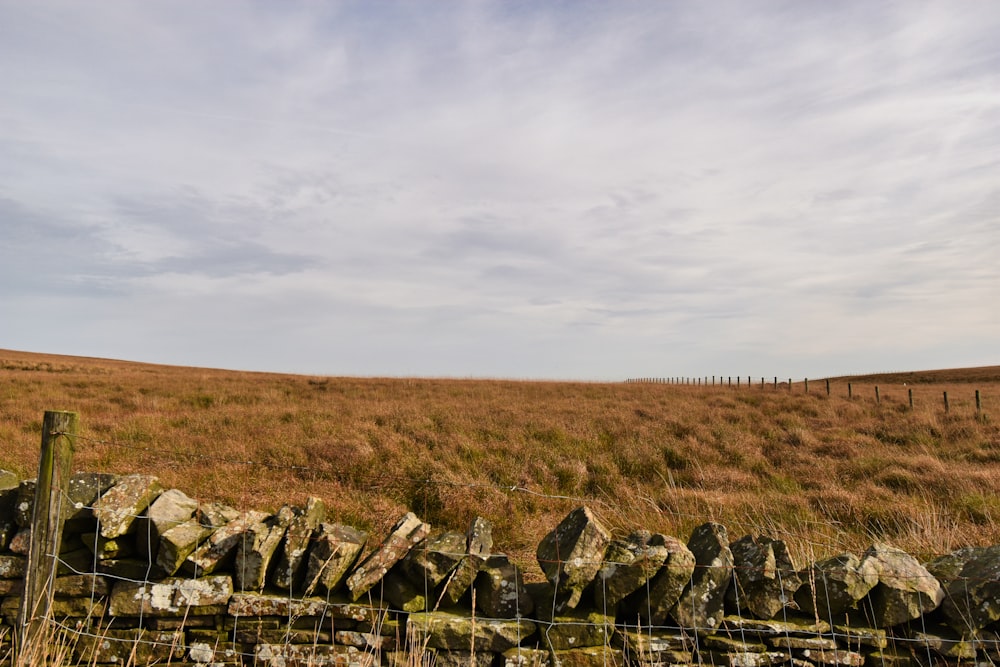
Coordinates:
(607, 625)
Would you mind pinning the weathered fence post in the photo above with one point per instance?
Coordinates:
(806, 383)
(979, 405)
(946, 402)
(850, 390)
(51, 490)
(775, 381)
(789, 385)
(827, 387)
(910, 393)
(878, 400)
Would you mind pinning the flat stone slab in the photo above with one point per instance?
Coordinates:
(293, 557)
(117, 510)
(577, 629)
(905, 590)
(219, 550)
(171, 508)
(335, 550)
(628, 566)
(289, 655)
(572, 554)
(836, 584)
(653, 601)
(11, 566)
(256, 604)
(407, 532)
(171, 596)
(701, 605)
(257, 547)
(139, 647)
(445, 630)
(500, 591)
(431, 561)
(764, 576)
(178, 542)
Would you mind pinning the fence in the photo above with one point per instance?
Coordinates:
(210, 585)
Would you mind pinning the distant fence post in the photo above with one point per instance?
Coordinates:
(51, 488)
(827, 387)
(806, 382)
(946, 402)
(878, 399)
(850, 390)
(775, 381)
(979, 405)
(910, 393)
(789, 385)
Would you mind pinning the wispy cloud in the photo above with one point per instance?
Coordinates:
(569, 189)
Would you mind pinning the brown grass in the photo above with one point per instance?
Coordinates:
(824, 472)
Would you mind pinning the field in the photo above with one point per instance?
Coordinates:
(826, 473)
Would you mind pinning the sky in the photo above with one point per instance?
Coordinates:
(555, 190)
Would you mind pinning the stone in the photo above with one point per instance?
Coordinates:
(289, 655)
(7, 531)
(441, 658)
(840, 657)
(335, 550)
(764, 577)
(405, 534)
(8, 480)
(217, 515)
(219, 550)
(588, 657)
(81, 585)
(25, 502)
(171, 596)
(171, 508)
(945, 642)
(862, 636)
(479, 538)
(177, 543)
(117, 510)
(461, 579)
(401, 593)
(836, 585)
(11, 566)
(792, 626)
(701, 604)
(520, 656)
(108, 549)
(789, 643)
(444, 630)
(294, 555)
(500, 591)
(366, 640)
(652, 603)
(129, 646)
(744, 658)
(257, 547)
(905, 590)
(258, 604)
(571, 555)
(62, 608)
(84, 490)
(577, 628)
(628, 566)
(972, 598)
(126, 568)
(430, 562)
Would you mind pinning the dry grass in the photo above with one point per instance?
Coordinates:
(825, 473)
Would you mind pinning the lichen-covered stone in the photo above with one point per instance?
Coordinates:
(972, 598)
(292, 562)
(701, 604)
(335, 550)
(500, 589)
(257, 547)
(652, 602)
(117, 510)
(599, 656)
(407, 532)
(401, 593)
(136, 647)
(8, 480)
(838, 658)
(177, 543)
(461, 579)
(83, 490)
(171, 508)
(628, 566)
(572, 554)
(764, 577)
(521, 656)
(25, 503)
(576, 628)
(107, 549)
(171, 596)
(446, 630)
(432, 560)
(479, 538)
(219, 550)
(258, 604)
(905, 590)
(835, 585)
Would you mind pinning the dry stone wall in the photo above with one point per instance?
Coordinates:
(148, 575)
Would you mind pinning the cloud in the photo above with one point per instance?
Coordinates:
(572, 182)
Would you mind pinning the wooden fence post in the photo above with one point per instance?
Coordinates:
(946, 402)
(979, 405)
(850, 390)
(878, 400)
(775, 381)
(51, 493)
(806, 382)
(910, 393)
(827, 387)
(789, 385)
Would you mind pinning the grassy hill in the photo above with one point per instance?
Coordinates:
(826, 473)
